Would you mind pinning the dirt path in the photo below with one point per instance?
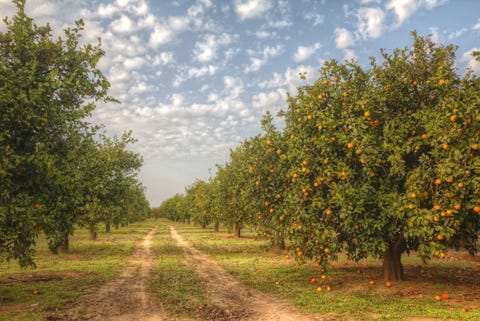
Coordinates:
(125, 298)
(238, 301)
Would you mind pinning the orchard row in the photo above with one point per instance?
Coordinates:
(57, 170)
(371, 162)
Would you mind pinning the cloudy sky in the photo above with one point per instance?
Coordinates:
(194, 77)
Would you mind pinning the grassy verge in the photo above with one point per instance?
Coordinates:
(352, 297)
(174, 283)
(62, 278)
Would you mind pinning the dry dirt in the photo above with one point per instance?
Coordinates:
(123, 299)
(126, 298)
(238, 301)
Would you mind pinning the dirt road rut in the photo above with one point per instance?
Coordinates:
(239, 301)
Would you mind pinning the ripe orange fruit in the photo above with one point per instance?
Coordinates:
(326, 82)
(449, 180)
(358, 152)
(438, 181)
(36, 292)
(440, 237)
(457, 206)
(453, 118)
(445, 296)
(326, 250)
(328, 212)
(350, 145)
(424, 136)
(388, 284)
(476, 209)
(324, 277)
(366, 114)
(345, 94)
(438, 298)
(313, 280)
(445, 146)
(414, 83)
(442, 82)
(319, 289)
(475, 146)
(336, 79)
(269, 142)
(279, 152)
(413, 195)
(372, 282)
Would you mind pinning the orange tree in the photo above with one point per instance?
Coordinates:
(269, 178)
(385, 160)
(234, 190)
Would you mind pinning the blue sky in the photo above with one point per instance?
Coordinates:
(195, 77)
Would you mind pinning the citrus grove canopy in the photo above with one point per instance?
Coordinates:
(374, 161)
(56, 170)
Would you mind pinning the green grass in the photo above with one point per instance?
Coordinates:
(64, 277)
(351, 297)
(175, 284)
(182, 293)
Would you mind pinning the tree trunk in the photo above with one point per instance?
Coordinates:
(392, 265)
(280, 245)
(66, 242)
(107, 227)
(216, 228)
(238, 228)
(93, 234)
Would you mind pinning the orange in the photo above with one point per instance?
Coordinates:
(366, 114)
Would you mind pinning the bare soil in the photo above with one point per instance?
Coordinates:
(125, 298)
(238, 301)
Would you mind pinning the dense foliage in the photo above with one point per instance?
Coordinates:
(55, 170)
(373, 162)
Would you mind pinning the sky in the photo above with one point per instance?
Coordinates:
(195, 77)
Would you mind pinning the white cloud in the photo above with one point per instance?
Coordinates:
(405, 8)
(259, 59)
(106, 11)
(290, 79)
(370, 22)
(317, 19)
(344, 38)
(349, 54)
(457, 33)
(402, 8)
(471, 62)
(164, 58)
(195, 72)
(123, 25)
(269, 100)
(476, 26)
(160, 35)
(206, 49)
(233, 86)
(133, 63)
(303, 53)
(251, 8)
(262, 34)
